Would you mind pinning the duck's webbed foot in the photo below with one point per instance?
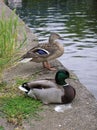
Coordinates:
(48, 66)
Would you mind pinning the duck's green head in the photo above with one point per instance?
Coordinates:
(60, 76)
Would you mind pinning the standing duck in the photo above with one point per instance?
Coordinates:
(45, 52)
(51, 91)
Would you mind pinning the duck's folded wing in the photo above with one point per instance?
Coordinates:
(44, 49)
(42, 84)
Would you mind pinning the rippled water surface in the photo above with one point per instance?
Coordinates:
(76, 22)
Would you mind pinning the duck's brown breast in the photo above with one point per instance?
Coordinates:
(69, 94)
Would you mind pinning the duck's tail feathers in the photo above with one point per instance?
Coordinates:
(23, 89)
(25, 60)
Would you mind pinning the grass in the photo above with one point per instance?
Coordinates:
(15, 105)
(9, 46)
(20, 81)
(19, 107)
(2, 85)
(1, 128)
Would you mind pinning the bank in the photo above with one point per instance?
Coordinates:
(82, 115)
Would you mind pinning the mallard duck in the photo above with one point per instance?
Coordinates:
(51, 90)
(45, 52)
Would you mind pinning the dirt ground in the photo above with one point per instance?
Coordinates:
(81, 116)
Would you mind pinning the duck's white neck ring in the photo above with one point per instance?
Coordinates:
(65, 85)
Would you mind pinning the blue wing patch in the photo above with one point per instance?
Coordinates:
(42, 52)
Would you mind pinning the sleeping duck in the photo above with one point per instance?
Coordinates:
(49, 90)
(45, 52)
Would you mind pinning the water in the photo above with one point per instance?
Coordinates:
(76, 22)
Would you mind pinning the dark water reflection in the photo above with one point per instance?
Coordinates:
(76, 22)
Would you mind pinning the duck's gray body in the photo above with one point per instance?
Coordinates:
(50, 95)
(46, 91)
(50, 90)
